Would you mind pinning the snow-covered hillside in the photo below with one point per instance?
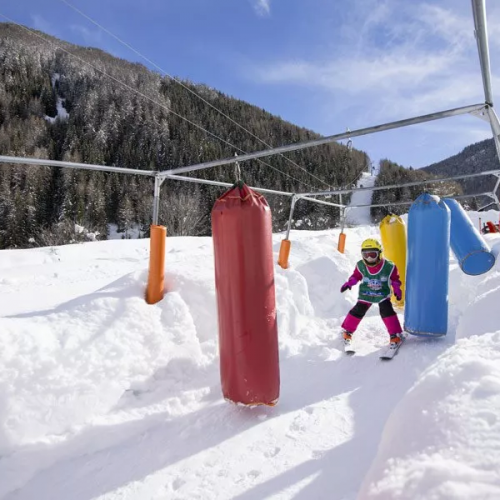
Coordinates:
(105, 397)
(361, 215)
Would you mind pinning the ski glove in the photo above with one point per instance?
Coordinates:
(345, 287)
(398, 295)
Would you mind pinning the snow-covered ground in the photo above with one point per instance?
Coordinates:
(105, 397)
(62, 113)
(361, 215)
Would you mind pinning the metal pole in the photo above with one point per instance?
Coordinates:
(223, 184)
(480, 209)
(326, 140)
(320, 202)
(237, 170)
(495, 128)
(392, 186)
(396, 203)
(261, 190)
(342, 220)
(495, 189)
(481, 33)
(292, 208)
(68, 164)
(156, 200)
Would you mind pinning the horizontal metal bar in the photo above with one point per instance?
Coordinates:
(325, 140)
(261, 190)
(393, 186)
(321, 202)
(480, 209)
(396, 203)
(481, 32)
(195, 180)
(68, 164)
(463, 196)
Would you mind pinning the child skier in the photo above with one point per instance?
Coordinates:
(376, 275)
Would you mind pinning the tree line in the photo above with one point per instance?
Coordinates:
(64, 103)
(397, 201)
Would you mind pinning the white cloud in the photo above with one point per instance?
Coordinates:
(362, 74)
(91, 37)
(40, 23)
(386, 60)
(262, 7)
(403, 61)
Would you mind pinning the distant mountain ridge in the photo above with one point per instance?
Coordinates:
(478, 157)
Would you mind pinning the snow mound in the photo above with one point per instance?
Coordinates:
(103, 396)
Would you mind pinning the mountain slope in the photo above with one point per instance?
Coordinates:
(64, 102)
(478, 157)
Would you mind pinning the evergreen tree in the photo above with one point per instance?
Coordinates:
(125, 217)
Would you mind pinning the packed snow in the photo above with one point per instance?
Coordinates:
(105, 397)
(360, 215)
(62, 113)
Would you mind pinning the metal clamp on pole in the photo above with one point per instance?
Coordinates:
(349, 140)
(237, 171)
(156, 199)
(495, 196)
(286, 243)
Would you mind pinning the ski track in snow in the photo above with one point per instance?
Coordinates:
(105, 397)
(361, 216)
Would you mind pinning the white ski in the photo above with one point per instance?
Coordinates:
(391, 351)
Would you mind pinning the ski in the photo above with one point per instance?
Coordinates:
(391, 351)
(348, 347)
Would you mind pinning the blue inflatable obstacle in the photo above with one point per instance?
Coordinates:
(426, 310)
(471, 251)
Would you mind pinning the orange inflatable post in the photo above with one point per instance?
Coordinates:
(156, 278)
(341, 245)
(342, 235)
(284, 253)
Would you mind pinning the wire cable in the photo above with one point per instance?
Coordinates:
(152, 63)
(135, 91)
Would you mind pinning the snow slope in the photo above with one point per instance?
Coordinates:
(105, 397)
(361, 215)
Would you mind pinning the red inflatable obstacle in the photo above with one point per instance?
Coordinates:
(491, 227)
(244, 281)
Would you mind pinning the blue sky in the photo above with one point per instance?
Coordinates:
(321, 64)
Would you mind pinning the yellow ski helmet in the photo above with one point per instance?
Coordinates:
(371, 244)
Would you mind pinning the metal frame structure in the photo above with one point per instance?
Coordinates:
(79, 166)
(159, 179)
(326, 140)
(484, 111)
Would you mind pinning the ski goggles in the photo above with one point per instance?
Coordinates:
(370, 254)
